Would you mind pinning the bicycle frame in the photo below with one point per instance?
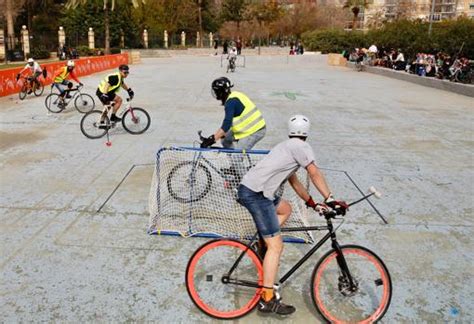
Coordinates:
(331, 235)
(128, 107)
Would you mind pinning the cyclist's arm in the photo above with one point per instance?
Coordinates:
(219, 134)
(318, 180)
(125, 86)
(23, 70)
(73, 76)
(298, 187)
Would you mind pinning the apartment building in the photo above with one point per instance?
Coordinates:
(421, 9)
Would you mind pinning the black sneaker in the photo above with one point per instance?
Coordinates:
(68, 96)
(115, 119)
(275, 306)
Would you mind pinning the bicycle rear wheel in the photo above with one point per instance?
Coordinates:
(136, 123)
(204, 279)
(333, 296)
(189, 182)
(54, 103)
(23, 92)
(84, 103)
(90, 124)
(39, 88)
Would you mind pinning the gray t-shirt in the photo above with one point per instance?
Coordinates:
(275, 168)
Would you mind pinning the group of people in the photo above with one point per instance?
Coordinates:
(297, 49)
(243, 127)
(65, 53)
(233, 45)
(106, 91)
(440, 65)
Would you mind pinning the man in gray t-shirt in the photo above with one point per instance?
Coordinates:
(258, 193)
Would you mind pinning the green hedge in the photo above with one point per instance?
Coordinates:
(39, 53)
(410, 36)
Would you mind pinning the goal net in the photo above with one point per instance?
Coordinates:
(194, 193)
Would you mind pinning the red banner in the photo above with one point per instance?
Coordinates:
(84, 66)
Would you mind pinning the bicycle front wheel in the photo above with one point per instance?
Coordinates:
(91, 126)
(205, 277)
(84, 103)
(136, 121)
(366, 301)
(189, 182)
(39, 88)
(54, 103)
(23, 92)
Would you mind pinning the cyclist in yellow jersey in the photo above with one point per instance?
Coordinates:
(243, 125)
(61, 77)
(108, 88)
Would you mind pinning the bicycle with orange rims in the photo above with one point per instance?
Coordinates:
(349, 284)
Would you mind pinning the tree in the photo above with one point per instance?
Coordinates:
(107, 6)
(11, 9)
(234, 10)
(355, 6)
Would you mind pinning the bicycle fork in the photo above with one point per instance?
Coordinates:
(347, 285)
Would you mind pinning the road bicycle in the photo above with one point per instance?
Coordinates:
(96, 124)
(30, 85)
(349, 284)
(82, 101)
(191, 181)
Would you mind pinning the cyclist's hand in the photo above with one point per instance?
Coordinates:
(208, 141)
(130, 93)
(339, 206)
(319, 208)
(80, 84)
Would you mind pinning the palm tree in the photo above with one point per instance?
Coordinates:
(355, 6)
(108, 5)
(11, 9)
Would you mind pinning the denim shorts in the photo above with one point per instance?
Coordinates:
(262, 209)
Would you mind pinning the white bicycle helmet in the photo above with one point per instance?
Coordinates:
(298, 125)
(70, 63)
(30, 60)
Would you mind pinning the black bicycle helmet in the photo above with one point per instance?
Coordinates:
(124, 68)
(221, 87)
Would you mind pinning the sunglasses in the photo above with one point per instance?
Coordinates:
(125, 72)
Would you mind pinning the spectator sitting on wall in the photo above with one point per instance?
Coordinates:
(399, 63)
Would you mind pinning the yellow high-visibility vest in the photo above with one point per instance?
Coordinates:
(112, 88)
(251, 119)
(62, 76)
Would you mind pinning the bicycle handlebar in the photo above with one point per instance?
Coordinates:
(333, 213)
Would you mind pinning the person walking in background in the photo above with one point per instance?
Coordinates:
(225, 47)
(238, 45)
(216, 45)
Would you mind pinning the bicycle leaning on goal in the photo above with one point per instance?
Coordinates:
(349, 284)
(191, 181)
(96, 124)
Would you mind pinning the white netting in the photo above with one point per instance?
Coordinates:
(194, 191)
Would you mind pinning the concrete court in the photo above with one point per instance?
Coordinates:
(62, 261)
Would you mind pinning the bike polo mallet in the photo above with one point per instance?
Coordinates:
(108, 142)
(373, 192)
